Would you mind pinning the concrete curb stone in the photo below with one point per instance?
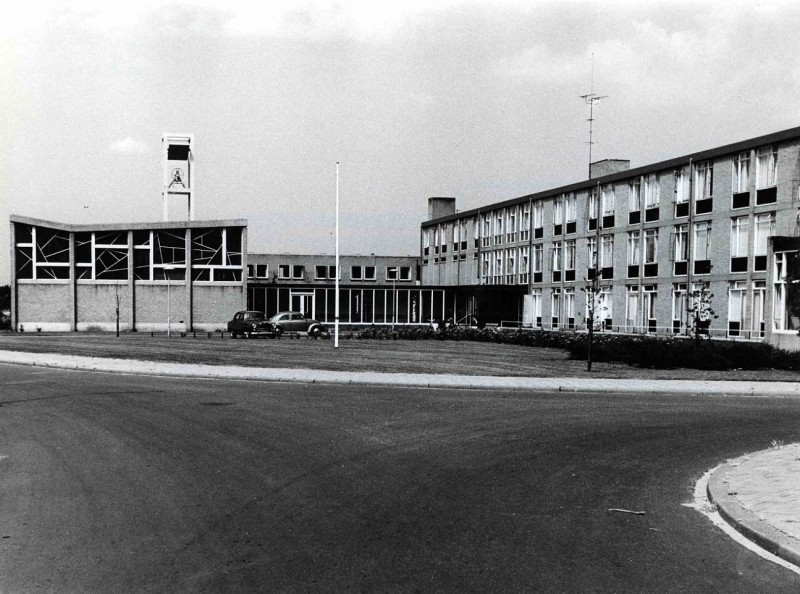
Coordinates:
(722, 494)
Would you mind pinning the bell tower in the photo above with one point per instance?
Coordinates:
(178, 170)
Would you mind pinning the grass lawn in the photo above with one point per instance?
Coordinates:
(424, 356)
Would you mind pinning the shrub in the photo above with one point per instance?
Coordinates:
(639, 350)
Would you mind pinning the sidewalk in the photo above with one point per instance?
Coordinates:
(759, 494)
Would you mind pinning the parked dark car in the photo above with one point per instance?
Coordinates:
(250, 324)
(295, 321)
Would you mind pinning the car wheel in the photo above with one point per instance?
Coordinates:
(234, 335)
(278, 332)
(314, 331)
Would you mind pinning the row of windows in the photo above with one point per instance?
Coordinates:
(43, 254)
(745, 316)
(360, 273)
(515, 223)
(510, 265)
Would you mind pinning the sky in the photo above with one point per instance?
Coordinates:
(479, 100)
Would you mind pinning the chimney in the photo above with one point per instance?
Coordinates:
(441, 207)
(608, 166)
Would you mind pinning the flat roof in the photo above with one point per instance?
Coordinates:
(127, 226)
(775, 137)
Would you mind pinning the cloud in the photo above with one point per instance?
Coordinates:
(129, 146)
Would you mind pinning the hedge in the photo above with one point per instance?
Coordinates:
(643, 351)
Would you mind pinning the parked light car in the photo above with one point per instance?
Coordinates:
(250, 324)
(295, 321)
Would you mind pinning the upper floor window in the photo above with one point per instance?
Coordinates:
(538, 215)
(635, 195)
(608, 200)
(558, 210)
(571, 208)
(703, 180)
(366, 273)
(291, 271)
(398, 273)
(511, 223)
(486, 231)
(767, 167)
(651, 191)
(525, 222)
(498, 227)
(741, 172)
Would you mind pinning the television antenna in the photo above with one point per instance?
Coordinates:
(591, 98)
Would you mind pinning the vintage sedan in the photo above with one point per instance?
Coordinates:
(250, 324)
(295, 321)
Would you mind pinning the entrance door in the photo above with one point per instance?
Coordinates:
(304, 303)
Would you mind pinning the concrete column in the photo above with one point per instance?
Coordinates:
(189, 303)
(73, 285)
(244, 267)
(131, 281)
(13, 265)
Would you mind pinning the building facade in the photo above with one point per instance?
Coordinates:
(658, 237)
(182, 276)
(373, 290)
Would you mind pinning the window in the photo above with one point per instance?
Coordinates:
(251, 271)
(571, 212)
(569, 260)
(602, 308)
(456, 235)
(397, 273)
(463, 233)
(592, 209)
(651, 191)
(511, 266)
(635, 195)
(608, 200)
(558, 215)
(498, 227)
(651, 252)
(767, 167)
(555, 308)
(703, 187)
(632, 307)
(557, 261)
(321, 272)
(607, 206)
(486, 234)
(525, 223)
(262, 270)
(591, 253)
(782, 319)
(634, 251)
(569, 307)
(607, 256)
(681, 194)
(740, 229)
(538, 219)
(737, 302)
(649, 295)
(536, 307)
(497, 272)
(741, 172)
(426, 242)
(764, 228)
(486, 267)
(650, 246)
(511, 223)
(356, 273)
(678, 307)
(702, 252)
(284, 271)
(680, 241)
(524, 264)
(538, 260)
(757, 325)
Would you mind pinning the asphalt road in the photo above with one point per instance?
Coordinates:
(129, 483)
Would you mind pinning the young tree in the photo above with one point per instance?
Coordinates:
(701, 311)
(593, 310)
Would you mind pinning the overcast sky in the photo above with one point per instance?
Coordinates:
(477, 100)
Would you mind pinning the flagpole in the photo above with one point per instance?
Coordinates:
(336, 306)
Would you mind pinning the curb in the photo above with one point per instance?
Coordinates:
(408, 380)
(746, 522)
